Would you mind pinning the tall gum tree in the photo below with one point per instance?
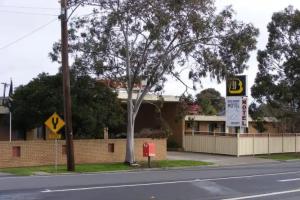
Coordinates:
(134, 40)
(277, 84)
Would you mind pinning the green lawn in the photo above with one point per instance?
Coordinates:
(281, 156)
(84, 168)
(174, 163)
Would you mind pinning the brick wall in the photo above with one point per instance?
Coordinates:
(42, 152)
(169, 113)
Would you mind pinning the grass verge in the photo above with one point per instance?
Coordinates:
(85, 168)
(281, 156)
(174, 163)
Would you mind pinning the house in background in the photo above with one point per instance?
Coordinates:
(192, 123)
(203, 124)
(149, 122)
(4, 125)
(4, 121)
(16, 134)
(149, 119)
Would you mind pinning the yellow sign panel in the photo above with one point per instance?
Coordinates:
(55, 123)
(236, 86)
(54, 136)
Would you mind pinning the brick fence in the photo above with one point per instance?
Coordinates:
(42, 152)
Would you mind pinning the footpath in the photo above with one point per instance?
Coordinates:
(219, 160)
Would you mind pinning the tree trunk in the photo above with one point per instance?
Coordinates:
(130, 159)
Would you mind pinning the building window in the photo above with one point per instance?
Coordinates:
(197, 126)
(236, 129)
(223, 128)
(211, 127)
(189, 125)
(40, 132)
(16, 151)
(192, 125)
(111, 147)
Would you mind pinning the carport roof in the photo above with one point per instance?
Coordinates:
(215, 118)
(150, 97)
(207, 118)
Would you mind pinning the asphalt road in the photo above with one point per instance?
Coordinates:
(268, 181)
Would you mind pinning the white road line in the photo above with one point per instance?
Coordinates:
(264, 195)
(289, 180)
(119, 186)
(71, 175)
(165, 183)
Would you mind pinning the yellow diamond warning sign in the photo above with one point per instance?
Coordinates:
(55, 123)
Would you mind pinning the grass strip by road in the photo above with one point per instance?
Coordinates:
(281, 156)
(174, 163)
(101, 167)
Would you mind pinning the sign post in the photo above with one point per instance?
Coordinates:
(55, 123)
(56, 155)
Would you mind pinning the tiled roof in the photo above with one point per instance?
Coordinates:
(150, 97)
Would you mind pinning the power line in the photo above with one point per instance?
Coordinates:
(26, 13)
(27, 35)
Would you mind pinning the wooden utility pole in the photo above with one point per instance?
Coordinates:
(66, 86)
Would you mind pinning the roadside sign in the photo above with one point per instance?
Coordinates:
(54, 136)
(55, 123)
(244, 120)
(236, 86)
(236, 112)
(233, 111)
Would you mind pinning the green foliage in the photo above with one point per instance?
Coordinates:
(278, 81)
(80, 168)
(103, 167)
(151, 37)
(133, 40)
(281, 156)
(258, 113)
(179, 163)
(210, 101)
(185, 101)
(94, 105)
(36, 101)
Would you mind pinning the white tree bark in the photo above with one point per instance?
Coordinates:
(130, 158)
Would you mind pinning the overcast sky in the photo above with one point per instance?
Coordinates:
(30, 27)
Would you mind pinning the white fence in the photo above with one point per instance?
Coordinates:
(246, 144)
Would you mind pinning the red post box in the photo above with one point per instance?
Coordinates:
(149, 149)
